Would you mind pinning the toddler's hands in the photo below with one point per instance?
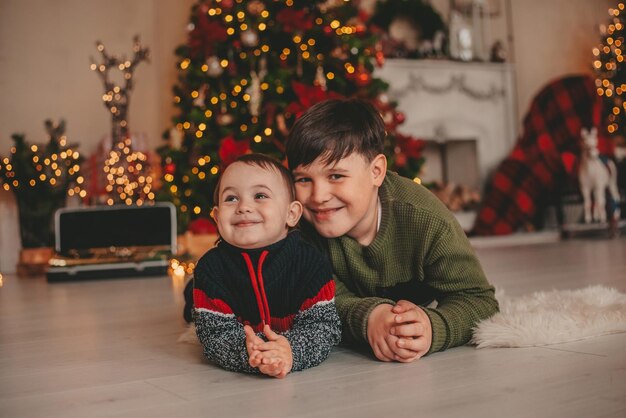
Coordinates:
(412, 333)
(275, 368)
(276, 358)
(252, 342)
(379, 324)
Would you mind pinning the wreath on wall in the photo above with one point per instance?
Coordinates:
(426, 22)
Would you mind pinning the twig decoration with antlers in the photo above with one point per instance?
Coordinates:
(117, 97)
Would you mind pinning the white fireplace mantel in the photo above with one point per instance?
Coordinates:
(447, 100)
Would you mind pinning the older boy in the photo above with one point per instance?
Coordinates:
(263, 278)
(394, 247)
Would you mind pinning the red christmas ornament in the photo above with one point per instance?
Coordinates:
(202, 226)
(362, 77)
(227, 4)
(170, 168)
(399, 117)
(357, 24)
(380, 58)
(400, 159)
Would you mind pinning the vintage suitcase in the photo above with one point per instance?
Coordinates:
(113, 242)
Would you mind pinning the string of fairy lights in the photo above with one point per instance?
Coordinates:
(55, 170)
(609, 57)
(124, 173)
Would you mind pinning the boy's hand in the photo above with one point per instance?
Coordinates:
(379, 324)
(413, 332)
(252, 342)
(276, 358)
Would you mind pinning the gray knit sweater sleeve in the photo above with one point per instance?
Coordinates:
(224, 341)
(314, 333)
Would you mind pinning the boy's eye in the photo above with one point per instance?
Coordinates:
(230, 198)
(336, 176)
(261, 196)
(302, 180)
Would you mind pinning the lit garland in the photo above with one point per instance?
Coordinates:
(611, 71)
(125, 168)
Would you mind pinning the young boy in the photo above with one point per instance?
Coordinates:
(263, 277)
(394, 247)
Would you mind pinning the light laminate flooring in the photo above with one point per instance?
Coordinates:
(109, 349)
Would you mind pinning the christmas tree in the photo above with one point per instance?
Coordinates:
(248, 70)
(611, 71)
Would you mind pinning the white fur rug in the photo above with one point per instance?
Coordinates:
(554, 317)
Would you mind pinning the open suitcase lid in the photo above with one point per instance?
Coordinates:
(88, 228)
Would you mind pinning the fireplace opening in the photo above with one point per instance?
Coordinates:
(452, 161)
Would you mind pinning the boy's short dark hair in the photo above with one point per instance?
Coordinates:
(334, 129)
(265, 162)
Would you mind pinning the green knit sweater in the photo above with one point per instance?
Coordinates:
(420, 254)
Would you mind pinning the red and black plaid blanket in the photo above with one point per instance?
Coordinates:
(544, 160)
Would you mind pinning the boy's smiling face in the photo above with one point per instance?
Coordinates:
(254, 208)
(342, 198)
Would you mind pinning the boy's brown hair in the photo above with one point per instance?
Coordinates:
(334, 129)
(265, 162)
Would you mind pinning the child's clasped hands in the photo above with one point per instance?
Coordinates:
(272, 357)
(400, 332)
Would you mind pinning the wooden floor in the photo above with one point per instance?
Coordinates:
(108, 349)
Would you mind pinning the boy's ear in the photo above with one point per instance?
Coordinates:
(379, 169)
(293, 213)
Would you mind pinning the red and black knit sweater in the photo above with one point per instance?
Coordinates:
(287, 285)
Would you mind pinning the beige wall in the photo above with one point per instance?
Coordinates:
(45, 50)
(554, 38)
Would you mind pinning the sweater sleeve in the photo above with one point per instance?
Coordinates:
(354, 312)
(223, 340)
(316, 327)
(464, 296)
(220, 333)
(314, 333)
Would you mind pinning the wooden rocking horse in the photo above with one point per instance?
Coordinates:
(596, 175)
